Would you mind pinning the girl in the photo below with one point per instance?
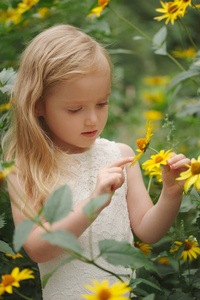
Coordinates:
(60, 108)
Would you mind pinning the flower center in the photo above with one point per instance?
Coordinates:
(172, 8)
(187, 245)
(195, 168)
(104, 294)
(7, 280)
(141, 143)
(158, 159)
(103, 2)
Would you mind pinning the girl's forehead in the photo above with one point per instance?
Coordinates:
(85, 87)
(83, 81)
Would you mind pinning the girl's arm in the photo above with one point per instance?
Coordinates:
(150, 222)
(109, 179)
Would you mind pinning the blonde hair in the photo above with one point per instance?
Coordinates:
(56, 54)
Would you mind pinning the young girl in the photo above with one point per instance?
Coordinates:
(60, 107)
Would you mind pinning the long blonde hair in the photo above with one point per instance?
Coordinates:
(56, 54)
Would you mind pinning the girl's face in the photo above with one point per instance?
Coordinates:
(76, 111)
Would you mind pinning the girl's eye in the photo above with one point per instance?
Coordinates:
(74, 110)
(103, 103)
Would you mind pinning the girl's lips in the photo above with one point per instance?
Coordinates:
(89, 133)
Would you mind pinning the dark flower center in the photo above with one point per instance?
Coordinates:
(104, 294)
(172, 8)
(142, 144)
(187, 246)
(158, 159)
(195, 168)
(8, 279)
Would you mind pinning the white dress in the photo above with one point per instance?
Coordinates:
(67, 283)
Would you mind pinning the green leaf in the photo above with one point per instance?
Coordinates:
(124, 254)
(183, 76)
(47, 276)
(4, 247)
(149, 297)
(179, 251)
(189, 109)
(198, 221)
(63, 239)
(120, 51)
(136, 281)
(22, 230)
(2, 221)
(159, 41)
(94, 204)
(58, 204)
(7, 78)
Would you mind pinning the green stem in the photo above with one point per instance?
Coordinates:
(21, 198)
(92, 262)
(105, 270)
(188, 34)
(22, 296)
(194, 6)
(149, 184)
(34, 216)
(130, 24)
(188, 265)
(144, 35)
(154, 150)
(176, 62)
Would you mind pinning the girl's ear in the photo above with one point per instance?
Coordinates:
(39, 108)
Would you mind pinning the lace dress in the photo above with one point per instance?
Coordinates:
(67, 283)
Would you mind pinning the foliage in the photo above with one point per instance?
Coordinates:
(153, 76)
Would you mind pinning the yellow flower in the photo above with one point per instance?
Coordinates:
(190, 248)
(143, 143)
(154, 96)
(18, 255)
(26, 5)
(157, 172)
(171, 11)
(157, 160)
(184, 4)
(4, 106)
(145, 248)
(163, 260)
(187, 53)
(97, 10)
(157, 80)
(11, 15)
(43, 12)
(192, 175)
(4, 173)
(153, 115)
(10, 280)
(102, 291)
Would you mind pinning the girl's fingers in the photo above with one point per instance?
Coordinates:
(121, 162)
(180, 164)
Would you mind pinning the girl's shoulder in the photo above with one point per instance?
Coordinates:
(110, 148)
(125, 150)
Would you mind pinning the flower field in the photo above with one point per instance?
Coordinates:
(154, 108)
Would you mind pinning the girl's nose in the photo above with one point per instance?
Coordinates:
(91, 118)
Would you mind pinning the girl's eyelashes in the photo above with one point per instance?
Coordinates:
(101, 104)
(74, 110)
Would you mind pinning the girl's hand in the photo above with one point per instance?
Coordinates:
(111, 178)
(171, 171)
